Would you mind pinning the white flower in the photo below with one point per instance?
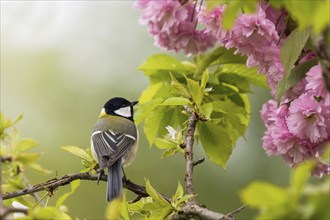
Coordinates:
(18, 205)
(171, 132)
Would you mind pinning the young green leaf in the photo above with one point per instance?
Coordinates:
(216, 142)
(145, 109)
(240, 69)
(77, 151)
(149, 93)
(156, 196)
(206, 110)
(114, 208)
(74, 185)
(37, 167)
(25, 144)
(291, 79)
(260, 194)
(299, 177)
(179, 88)
(176, 101)
(161, 62)
(196, 91)
(292, 48)
(124, 212)
(179, 192)
(205, 79)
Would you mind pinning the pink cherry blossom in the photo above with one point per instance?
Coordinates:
(315, 82)
(173, 26)
(307, 118)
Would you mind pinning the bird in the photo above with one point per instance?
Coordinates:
(114, 142)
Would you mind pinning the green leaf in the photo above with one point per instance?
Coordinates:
(295, 75)
(260, 194)
(179, 192)
(47, 213)
(176, 101)
(145, 109)
(28, 157)
(238, 81)
(250, 74)
(216, 142)
(206, 110)
(159, 62)
(227, 106)
(37, 167)
(156, 122)
(74, 185)
(156, 196)
(292, 48)
(25, 145)
(299, 177)
(230, 14)
(113, 209)
(124, 209)
(163, 143)
(183, 199)
(6, 123)
(77, 151)
(149, 93)
(228, 56)
(179, 88)
(196, 91)
(153, 123)
(205, 79)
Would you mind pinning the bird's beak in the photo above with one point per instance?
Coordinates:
(134, 103)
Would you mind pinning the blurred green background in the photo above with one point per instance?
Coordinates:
(61, 60)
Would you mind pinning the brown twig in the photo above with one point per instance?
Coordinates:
(204, 213)
(189, 155)
(55, 183)
(237, 210)
(199, 161)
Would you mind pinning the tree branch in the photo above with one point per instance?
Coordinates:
(189, 155)
(55, 183)
(204, 213)
(323, 54)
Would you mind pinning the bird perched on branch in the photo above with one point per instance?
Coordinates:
(114, 142)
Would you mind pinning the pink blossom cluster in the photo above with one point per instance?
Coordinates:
(173, 25)
(299, 129)
(253, 35)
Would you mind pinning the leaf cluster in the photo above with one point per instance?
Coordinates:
(153, 207)
(16, 158)
(300, 200)
(213, 85)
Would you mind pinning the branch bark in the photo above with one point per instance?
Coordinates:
(189, 156)
(55, 183)
(323, 54)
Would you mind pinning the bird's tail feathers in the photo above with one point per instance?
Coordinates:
(115, 176)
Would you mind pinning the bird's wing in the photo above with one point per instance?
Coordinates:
(109, 146)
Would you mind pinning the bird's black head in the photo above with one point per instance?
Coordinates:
(120, 107)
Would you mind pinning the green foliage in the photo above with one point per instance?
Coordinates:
(155, 206)
(214, 86)
(301, 200)
(85, 155)
(292, 48)
(16, 158)
(16, 153)
(294, 76)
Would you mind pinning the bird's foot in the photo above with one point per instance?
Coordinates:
(100, 173)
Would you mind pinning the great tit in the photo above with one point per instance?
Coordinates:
(114, 142)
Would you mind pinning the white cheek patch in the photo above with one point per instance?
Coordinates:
(125, 112)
